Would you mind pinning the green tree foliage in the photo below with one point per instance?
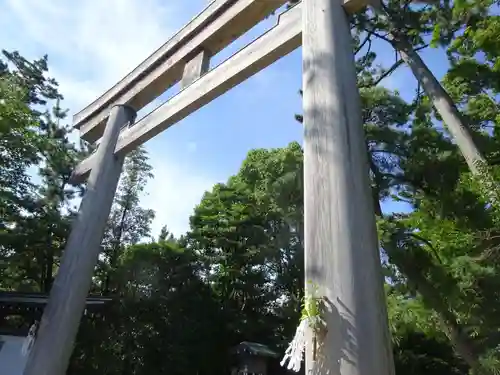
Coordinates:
(34, 217)
(251, 211)
(128, 222)
(19, 150)
(165, 321)
(249, 234)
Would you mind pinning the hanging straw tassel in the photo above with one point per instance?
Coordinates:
(295, 351)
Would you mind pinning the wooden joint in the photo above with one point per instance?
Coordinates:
(195, 68)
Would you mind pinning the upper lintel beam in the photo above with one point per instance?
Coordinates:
(285, 37)
(271, 46)
(217, 26)
(156, 57)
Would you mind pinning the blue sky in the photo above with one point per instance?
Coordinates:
(93, 43)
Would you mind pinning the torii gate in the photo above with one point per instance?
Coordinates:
(341, 248)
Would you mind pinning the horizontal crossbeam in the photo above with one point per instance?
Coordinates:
(212, 30)
(268, 48)
(262, 52)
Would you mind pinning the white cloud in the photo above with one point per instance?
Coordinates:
(92, 44)
(174, 194)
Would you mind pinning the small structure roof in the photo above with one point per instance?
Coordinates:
(20, 298)
(29, 307)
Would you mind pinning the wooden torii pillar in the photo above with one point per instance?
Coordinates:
(341, 248)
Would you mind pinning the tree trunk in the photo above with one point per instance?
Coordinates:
(376, 188)
(459, 340)
(47, 263)
(441, 101)
(116, 248)
(444, 105)
(49, 269)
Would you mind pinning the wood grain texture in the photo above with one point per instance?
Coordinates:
(341, 247)
(219, 25)
(268, 48)
(61, 318)
(195, 25)
(195, 68)
(216, 27)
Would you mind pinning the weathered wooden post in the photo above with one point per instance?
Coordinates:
(54, 344)
(341, 247)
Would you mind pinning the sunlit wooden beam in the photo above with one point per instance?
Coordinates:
(212, 30)
(268, 48)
